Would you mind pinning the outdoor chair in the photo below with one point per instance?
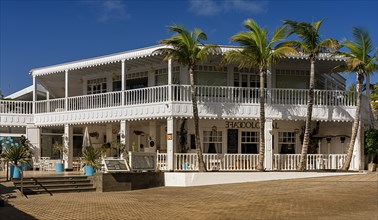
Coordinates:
(36, 164)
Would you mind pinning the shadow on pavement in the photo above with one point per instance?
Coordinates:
(10, 212)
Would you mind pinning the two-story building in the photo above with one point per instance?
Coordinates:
(138, 99)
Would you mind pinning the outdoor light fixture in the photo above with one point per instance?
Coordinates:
(122, 134)
(342, 139)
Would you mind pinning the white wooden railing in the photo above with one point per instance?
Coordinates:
(240, 162)
(16, 107)
(249, 162)
(314, 161)
(186, 162)
(162, 163)
(181, 93)
(147, 95)
(52, 105)
(103, 100)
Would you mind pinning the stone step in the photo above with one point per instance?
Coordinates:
(51, 181)
(50, 186)
(28, 191)
(55, 184)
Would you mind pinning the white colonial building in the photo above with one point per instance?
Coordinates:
(140, 100)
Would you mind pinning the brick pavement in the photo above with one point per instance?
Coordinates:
(338, 197)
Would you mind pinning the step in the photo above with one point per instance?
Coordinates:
(50, 186)
(59, 190)
(51, 181)
(53, 177)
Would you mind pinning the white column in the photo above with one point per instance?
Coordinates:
(66, 90)
(170, 80)
(34, 93)
(48, 101)
(124, 132)
(171, 141)
(33, 133)
(123, 82)
(268, 144)
(68, 146)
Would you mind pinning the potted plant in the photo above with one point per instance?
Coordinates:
(119, 148)
(104, 149)
(16, 155)
(371, 147)
(58, 148)
(90, 160)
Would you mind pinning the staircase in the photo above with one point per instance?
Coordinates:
(55, 184)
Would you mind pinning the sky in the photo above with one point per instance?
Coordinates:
(41, 33)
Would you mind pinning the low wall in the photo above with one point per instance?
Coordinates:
(110, 182)
(212, 178)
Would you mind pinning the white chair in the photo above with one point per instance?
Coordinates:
(36, 164)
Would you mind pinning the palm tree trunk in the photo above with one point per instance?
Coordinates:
(360, 80)
(202, 167)
(310, 103)
(260, 166)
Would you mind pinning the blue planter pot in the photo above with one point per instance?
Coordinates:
(89, 171)
(59, 167)
(15, 173)
(11, 171)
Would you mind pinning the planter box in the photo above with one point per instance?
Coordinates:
(372, 167)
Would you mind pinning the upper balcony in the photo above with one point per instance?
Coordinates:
(175, 101)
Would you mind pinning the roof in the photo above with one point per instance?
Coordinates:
(25, 91)
(135, 54)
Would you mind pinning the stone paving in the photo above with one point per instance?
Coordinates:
(338, 197)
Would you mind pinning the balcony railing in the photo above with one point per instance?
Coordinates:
(16, 107)
(181, 93)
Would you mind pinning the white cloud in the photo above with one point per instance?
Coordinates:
(109, 9)
(212, 7)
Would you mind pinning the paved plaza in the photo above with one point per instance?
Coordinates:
(338, 197)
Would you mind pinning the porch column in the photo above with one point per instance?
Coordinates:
(170, 80)
(123, 82)
(34, 94)
(66, 90)
(68, 147)
(268, 144)
(48, 101)
(33, 133)
(171, 141)
(125, 134)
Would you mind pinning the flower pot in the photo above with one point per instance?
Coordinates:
(89, 170)
(372, 167)
(59, 167)
(15, 173)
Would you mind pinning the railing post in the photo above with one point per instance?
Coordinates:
(123, 82)
(169, 80)
(66, 90)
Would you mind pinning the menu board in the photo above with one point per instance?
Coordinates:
(116, 165)
(232, 141)
(142, 161)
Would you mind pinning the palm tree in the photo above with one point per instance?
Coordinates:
(311, 45)
(359, 61)
(259, 52)
(187, 49)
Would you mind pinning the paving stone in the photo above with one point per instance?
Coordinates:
(337, 197)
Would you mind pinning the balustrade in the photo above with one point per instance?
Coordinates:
(182, 93)
(16, 107)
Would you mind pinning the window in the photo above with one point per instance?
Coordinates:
(96, 86)
(249, 142)
(212, 141)
(286, 142)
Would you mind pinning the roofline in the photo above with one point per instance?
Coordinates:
(135, 54)
(25, 91)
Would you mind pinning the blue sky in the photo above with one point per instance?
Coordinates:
(42, 33)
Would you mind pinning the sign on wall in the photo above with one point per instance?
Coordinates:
(116, 165)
